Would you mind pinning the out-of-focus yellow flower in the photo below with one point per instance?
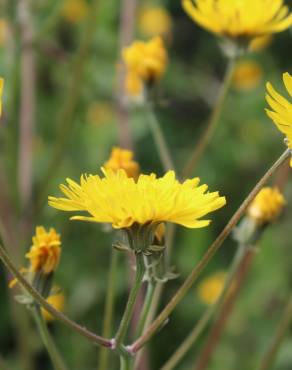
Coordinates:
(260, 43)
(44, 254)
(1, 93)
(247, 75)
(160, 232)
(238, 19)
(210, 288)
(267, 205)
(146, 63)
(57, 301)
(281, 112)
(3, 31)
(154, 21)
(122, 201)
(99, 113)
(74, 11)
(122, 159)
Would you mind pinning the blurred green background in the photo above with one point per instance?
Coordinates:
(243, 147)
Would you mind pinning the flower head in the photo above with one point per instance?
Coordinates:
(122, 159)
(247, 75)
(145, 62)
(211, 287)
(1, 93)
(74, 11)
(267, 205)
(57, 300)
(44, 254)
(155, 21)
(281, 112)
(240, 19)
(124, 202)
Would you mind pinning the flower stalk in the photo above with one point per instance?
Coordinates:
(124, 324)
(53, 352)
(213, 121)
(182, 291)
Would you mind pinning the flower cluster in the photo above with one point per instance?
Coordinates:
(281, 112)
(146, 63)
(237, 19)
(123, 202)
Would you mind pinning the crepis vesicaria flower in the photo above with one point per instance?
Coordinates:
(123, 202)
(240, 19)
(281, 112)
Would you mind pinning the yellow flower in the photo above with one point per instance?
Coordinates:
(145, 62)
(247, 75)
(57, 301)
(124, 202)
(44, 254)
(74, 11)
(155, 21)
(267, 205)
(281, 112)
(123, 159)
(1, 93)
(240, 19)
(210, 288)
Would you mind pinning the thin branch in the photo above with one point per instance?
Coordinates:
(55, 313)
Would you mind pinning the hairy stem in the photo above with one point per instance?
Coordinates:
(182, 291)
(213, 121)
(124, 324)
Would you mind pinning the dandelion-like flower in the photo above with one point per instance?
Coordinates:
(267, 206)
(247, 75)
(122, 159)
(240, 19)
(44, 254)
(1, 93)
(211, 287)
(281, 113)
(146, 63)
(124, 202)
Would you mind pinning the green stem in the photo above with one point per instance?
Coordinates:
(42, 302)
(204, 320)
(124, 324)
(109, 307)
(213, 121)
(53, 352)
(146, 307)
(159, 139)
(270, 355)
(125, 363)
(185, 287)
